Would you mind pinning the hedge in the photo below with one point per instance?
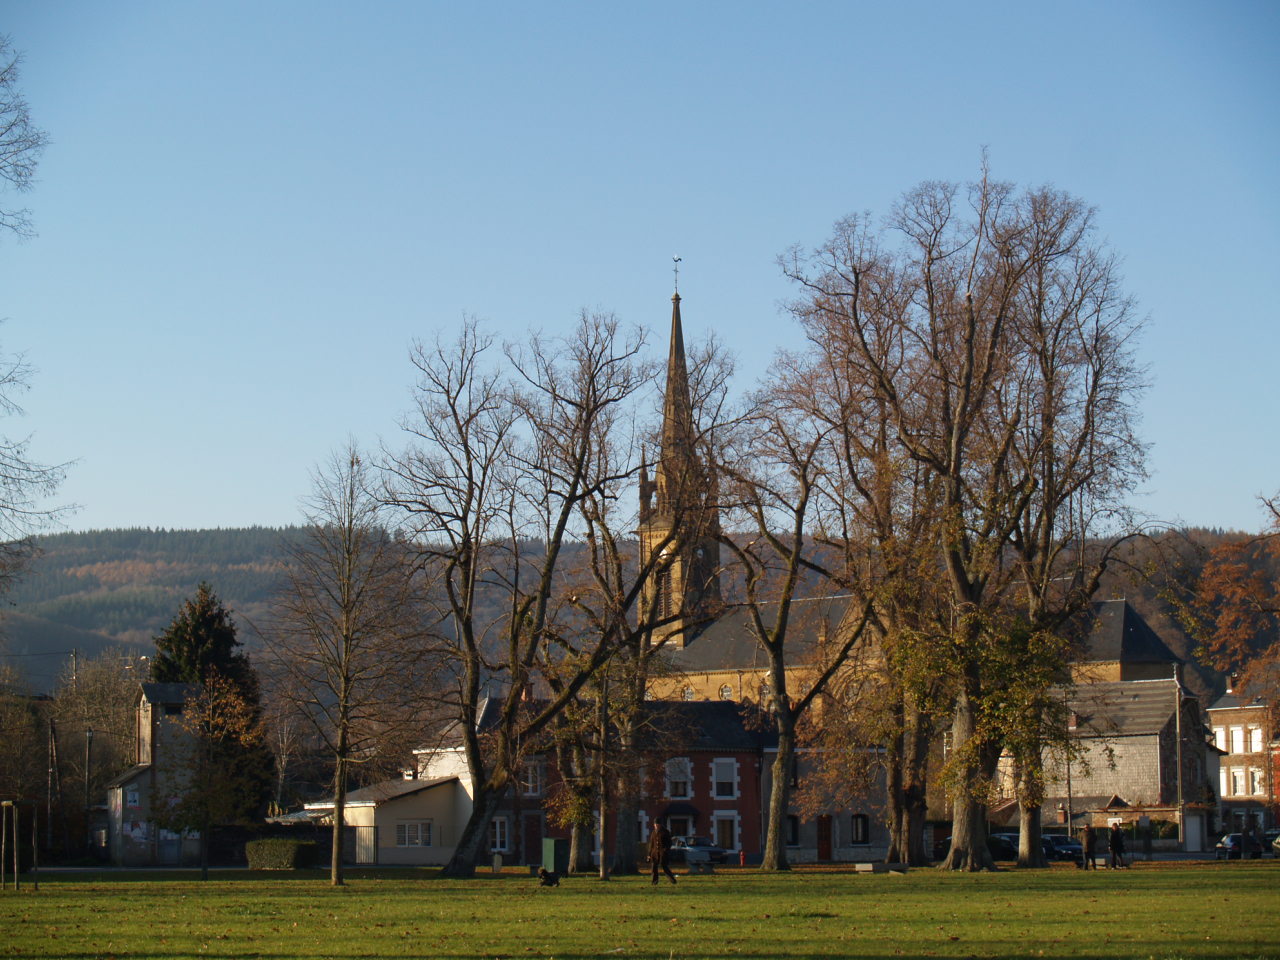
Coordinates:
(280, 853)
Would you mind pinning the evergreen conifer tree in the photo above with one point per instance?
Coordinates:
(200, 647)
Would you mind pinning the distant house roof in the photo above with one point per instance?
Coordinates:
(1120, 634)
(169, 692)
(675, 725)
(1124, 708)
(1233, 701)
(728, 642)
(379, 793)
(703, 725)
(120, 779)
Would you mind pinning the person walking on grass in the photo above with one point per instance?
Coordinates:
(660, 851)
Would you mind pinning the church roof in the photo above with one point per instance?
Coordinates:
(728, 643)
(1119, 634)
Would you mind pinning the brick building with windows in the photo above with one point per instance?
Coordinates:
(1246, 776)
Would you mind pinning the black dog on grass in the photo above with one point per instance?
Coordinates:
(548, 879)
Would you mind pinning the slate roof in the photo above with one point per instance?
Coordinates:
(703, 725)
(1232, 701)
(1120, 634)
(1124, 708)
(729, 644)
(669, 725)
(379, 793)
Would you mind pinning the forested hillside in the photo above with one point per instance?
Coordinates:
(90, 591)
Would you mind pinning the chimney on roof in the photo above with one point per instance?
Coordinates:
(1232, 680)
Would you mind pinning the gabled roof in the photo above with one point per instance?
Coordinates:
(1124, 708)
(169, 692)
(120, 779)
(379, 793)
(1119, 634)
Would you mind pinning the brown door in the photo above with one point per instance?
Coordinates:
(824, 838)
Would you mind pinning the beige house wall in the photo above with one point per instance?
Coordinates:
(439, 805)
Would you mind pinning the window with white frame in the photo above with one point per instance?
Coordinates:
(724, 777)
(679, 778)
(131, 797)
(1220, 738)
(726, 692)
(859, 830)
(1222, 782)
(686, 693)
(1255, 739)
(1237, 739)
(498, 835)
(413, 833)
(1237, 782)
(531, 775)
(1256, 785)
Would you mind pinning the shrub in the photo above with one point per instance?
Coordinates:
(280, 853)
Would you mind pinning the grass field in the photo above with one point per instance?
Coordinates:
(1153, 910)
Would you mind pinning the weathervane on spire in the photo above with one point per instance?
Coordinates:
(675, 267)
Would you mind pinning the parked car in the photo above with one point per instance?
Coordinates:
(1065, 847)
(697, 850)
(998, 843)
(1230, 847)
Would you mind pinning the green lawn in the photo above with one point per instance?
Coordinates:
(1166, 911)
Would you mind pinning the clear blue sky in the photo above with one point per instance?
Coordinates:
(248, 210)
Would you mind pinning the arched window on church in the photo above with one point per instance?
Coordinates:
(726, 692)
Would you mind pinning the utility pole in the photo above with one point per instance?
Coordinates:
(1177, 728)
(88, 770)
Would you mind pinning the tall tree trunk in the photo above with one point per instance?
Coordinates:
(775, 848)
(339, 822)
(968, 811)
(895, 789)
(1030, 849)
(475, 835)
(915, 804)
(626, 819)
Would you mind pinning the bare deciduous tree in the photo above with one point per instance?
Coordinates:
(347, 631)
(501, 477)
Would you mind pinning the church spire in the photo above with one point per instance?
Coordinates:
(681, 522)
(677, 453)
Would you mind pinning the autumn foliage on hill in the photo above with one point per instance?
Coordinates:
(1235, 610)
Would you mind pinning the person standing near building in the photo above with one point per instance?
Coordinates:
(660, 851)
(1115, 843)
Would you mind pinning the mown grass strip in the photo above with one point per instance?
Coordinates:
(1192, 911)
